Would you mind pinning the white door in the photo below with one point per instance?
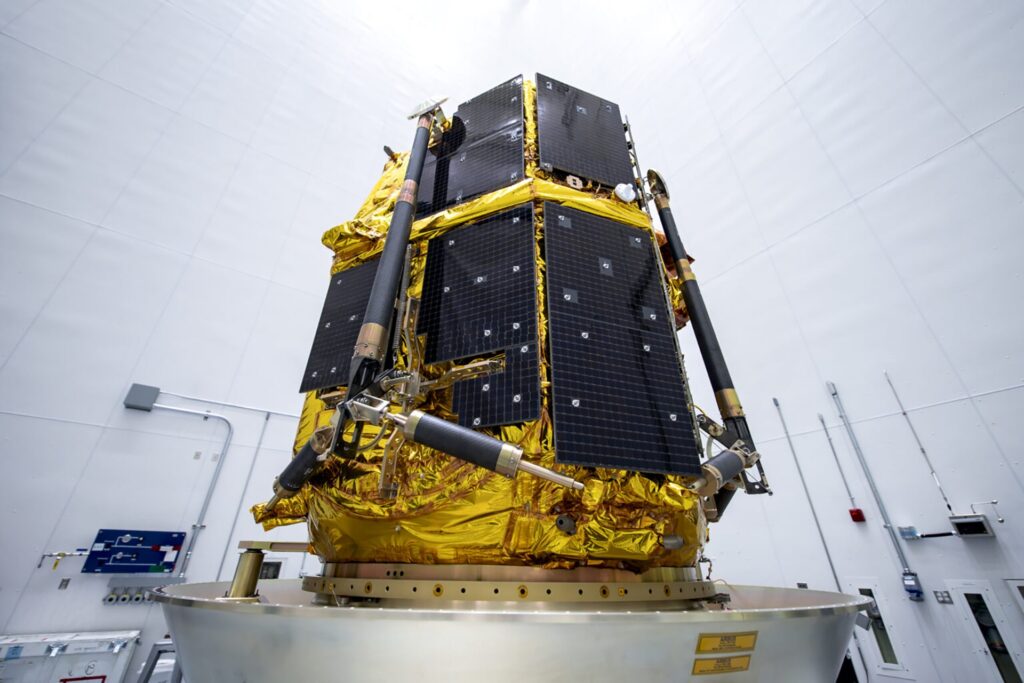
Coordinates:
(990, 637)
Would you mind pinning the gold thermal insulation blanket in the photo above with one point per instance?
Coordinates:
(449, 511)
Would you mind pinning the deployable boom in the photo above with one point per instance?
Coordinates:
(741, 453)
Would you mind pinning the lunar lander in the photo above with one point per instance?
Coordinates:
(498, 458)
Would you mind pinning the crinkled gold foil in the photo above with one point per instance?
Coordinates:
(448, 511)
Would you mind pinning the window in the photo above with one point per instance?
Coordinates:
(877, 626)
(993, 638)
(270, 570)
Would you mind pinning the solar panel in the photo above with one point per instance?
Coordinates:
(580, 134)
(618, 394)
(505, 398)
(480, 153)
(479, 288)
(336, 333)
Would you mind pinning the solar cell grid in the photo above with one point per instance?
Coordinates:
(479, 288)
(581, 134)
(480, 153)
(508, 397)
(340, 320)
(618, 395)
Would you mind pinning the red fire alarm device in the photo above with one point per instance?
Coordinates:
(856, 514)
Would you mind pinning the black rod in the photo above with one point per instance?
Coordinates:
(372, 342)
(733, 417)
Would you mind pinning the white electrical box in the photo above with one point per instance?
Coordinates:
(97, 657)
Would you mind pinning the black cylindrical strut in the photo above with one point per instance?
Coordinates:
(372, 342)
(710, 350)
(298, 471)
(465, 444)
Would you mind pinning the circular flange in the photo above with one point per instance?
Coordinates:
(332, 588)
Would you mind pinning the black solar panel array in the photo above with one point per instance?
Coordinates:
(581, 134)
(618, 394)
(340, 320)
(480, 153)
(508, 397)
(480, 298)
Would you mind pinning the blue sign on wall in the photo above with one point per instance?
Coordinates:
(123, 551)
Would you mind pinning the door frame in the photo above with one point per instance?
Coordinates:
(976, 642)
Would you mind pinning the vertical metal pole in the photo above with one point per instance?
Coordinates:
(200, 522)
(814, 514)
(886, 522)
(807, 493)
(835, 456)
(241, 496)
(920, 446)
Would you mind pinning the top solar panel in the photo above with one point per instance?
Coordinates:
(618, 394)
(340, 320)
(580, 134)
(480, 153)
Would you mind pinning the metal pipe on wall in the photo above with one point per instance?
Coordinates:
(835, 456)
(241, 496)
(199, 523)
(814, 514)
(920, 446)
(911, 583)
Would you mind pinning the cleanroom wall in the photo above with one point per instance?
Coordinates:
(846, 174)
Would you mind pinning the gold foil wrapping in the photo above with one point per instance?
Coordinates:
(448, 511)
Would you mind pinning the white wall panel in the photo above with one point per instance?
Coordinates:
(74, 360)
(235, 91)
(33, 89)
(966, 51)
(735, 70)
(964, 289)
(295, 123)
(275, 357)
(26, 286)
(84, 33)
(58, 453)
(1004, 142)
(80, 163)
(794, 32)
(787, 177)
(165, 59)
(715, 217)
(174, 193)
(856, 316)
(197, 346)
(248, 228)
(871, 113)
(225, 16)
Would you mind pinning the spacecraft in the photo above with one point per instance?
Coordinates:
(498, 459)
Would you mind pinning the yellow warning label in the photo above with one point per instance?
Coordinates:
(720, 665)
(726, 642)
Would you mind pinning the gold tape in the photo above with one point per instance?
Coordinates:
(720, 665)
(726, 642)
(729, 403)
(684, 271)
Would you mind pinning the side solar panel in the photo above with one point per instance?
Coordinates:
(479, 289)
(480, 299)
(335, 338)
(580, 134)
(618, 394)
(480, 153)
(508, 397)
